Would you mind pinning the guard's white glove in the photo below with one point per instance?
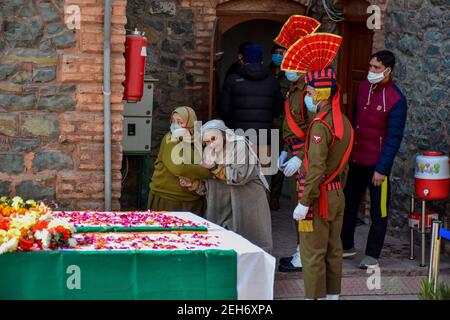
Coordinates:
(181, 133)
(292, 166)
(300, 212)
(281, 160)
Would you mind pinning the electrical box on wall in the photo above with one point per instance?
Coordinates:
(137, 134)
(137, 127)
(143, 108)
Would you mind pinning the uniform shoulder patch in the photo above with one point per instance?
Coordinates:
(317, 138)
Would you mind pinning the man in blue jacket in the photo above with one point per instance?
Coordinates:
(379, 121)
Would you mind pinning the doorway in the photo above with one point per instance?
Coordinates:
(246, 20)
(261, 32)
(356, 49)
(226, 40)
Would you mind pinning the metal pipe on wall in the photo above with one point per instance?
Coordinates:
(107, 101)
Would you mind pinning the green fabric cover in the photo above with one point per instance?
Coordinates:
(84, 229)
(175, 275)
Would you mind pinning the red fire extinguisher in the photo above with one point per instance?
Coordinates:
(135, 56)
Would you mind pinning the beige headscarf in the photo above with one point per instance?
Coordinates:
(188, 115)
(236, 152)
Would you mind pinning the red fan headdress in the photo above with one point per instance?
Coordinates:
(295, 28)
(313, 54)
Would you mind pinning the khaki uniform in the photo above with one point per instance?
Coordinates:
(276, 184)
(295, 102)
(322, 248)
(295, 97)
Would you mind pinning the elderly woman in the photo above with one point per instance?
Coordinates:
(166, 194)
(236, 196)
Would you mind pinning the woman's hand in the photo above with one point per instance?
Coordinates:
(185, 182)
(209, 158)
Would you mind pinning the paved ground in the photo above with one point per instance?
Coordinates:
(400, 277)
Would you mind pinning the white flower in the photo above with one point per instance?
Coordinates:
(46, 216)
(61, 222)
(9, 246)
(17, 199)
(44, 236)
(72, 242)
(3, 236)
(31, 203)
(17, 203)
(23, 222)
(13, 233)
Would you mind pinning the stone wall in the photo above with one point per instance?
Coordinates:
(417, 32)
(178, 55)
(51, 103)
(179, 33)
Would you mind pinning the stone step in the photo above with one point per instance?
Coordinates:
(418, 272)
(390, 287)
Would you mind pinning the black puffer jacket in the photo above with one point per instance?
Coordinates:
(250, 99)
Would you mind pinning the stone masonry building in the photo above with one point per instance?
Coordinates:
(51, 102)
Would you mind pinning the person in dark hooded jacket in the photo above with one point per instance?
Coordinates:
(251, 98)
(234, 68)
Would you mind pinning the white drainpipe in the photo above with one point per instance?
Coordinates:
(107, 100)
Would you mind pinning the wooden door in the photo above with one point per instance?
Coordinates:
(353, 61)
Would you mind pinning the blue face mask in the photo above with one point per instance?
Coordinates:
(174, 126)
(292, 76)
(277, 59)
(310, 104)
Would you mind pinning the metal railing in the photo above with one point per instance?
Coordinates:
(437, 234)
(422, 230)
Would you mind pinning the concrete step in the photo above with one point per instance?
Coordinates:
(361, 288)
(352, 273)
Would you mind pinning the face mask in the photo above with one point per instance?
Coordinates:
(375, 77)
(310, 104)
(277, 59)
(174, 126)
(292, 76)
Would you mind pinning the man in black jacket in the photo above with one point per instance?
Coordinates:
(251, 98)
(234, 68)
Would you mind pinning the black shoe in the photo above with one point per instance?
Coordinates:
(288, 267)
(285, 260)
(349, 253)
(274, 204)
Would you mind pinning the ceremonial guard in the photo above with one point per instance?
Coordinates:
(328, 145)
(296, 120)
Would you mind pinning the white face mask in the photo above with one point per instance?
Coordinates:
(375, 77)
(174, 126)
